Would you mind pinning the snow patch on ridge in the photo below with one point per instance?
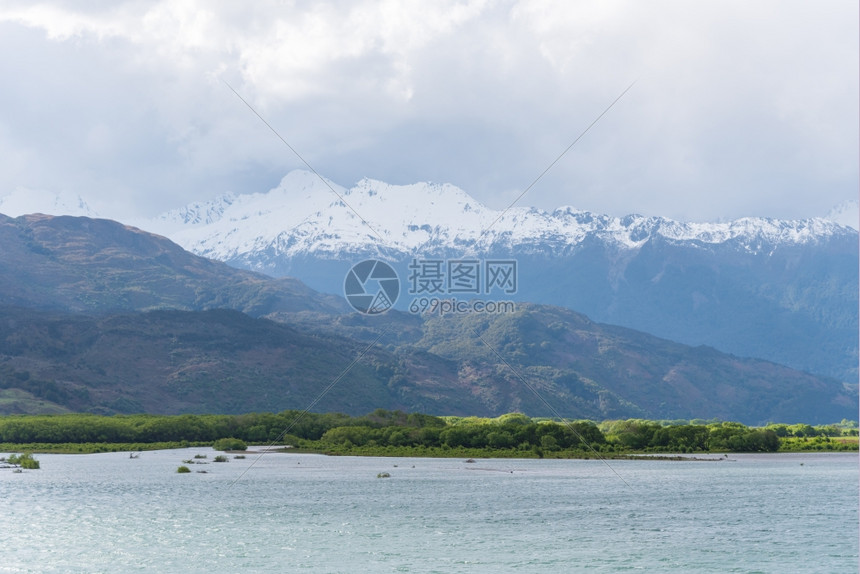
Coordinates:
(302, 216)
(26, 201)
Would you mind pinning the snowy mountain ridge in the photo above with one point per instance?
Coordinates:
(302, 216)
(25, 201)
(197, 213)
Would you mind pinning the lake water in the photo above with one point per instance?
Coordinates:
(309, 513)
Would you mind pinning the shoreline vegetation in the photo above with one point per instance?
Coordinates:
(398, 434)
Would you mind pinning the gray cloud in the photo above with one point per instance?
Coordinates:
(739, 109)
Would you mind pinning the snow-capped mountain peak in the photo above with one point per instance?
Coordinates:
(198, 213)
(25, 201)
(307, 216)
(304, 215)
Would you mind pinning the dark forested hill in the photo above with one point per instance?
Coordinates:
(222, 361)
(97, 316)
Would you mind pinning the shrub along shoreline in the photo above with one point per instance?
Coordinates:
(394, 433)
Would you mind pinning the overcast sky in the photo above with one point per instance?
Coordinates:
(739, 108)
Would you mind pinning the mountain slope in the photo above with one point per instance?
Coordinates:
(94, 265)
(618, 368)
(785, 291)
(169, 362)
(223, 361)
(593, 370)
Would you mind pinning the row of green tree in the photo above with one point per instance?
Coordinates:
(142, 428)
(397, 429)
(619, 436)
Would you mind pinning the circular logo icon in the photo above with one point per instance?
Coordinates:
(371, 287)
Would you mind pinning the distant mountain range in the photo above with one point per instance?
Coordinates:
(785, 291)
(303, 216)
(98, 316)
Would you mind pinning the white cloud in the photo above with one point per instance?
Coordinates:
(740, 108)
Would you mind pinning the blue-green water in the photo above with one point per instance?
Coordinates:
(288, 513)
